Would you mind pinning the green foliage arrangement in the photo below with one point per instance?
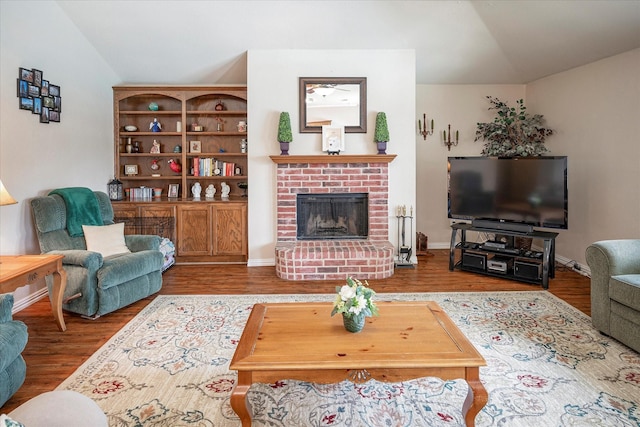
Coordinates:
(513, 131)
(284, 128)
(382, 131)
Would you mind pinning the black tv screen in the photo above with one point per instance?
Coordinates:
(527, 190)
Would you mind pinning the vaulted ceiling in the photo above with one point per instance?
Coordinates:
(456, 42)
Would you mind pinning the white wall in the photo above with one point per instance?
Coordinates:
(272, 79)
(35, 157)
(595, 111)
(461, 106)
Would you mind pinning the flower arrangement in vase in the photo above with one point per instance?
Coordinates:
(355, 302)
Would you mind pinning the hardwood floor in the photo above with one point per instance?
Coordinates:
(52, 356)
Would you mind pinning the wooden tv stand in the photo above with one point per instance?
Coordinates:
(510, 263)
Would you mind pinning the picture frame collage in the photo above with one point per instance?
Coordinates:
(38, 95)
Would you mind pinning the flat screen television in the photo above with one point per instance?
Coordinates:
(531, 191)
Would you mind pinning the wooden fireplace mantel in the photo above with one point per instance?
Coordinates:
(342, 158)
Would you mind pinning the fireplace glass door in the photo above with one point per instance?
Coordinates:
(332, 216)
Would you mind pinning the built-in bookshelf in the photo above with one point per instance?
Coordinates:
(197, 125)
(168, 138)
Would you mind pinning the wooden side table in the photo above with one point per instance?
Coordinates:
(20, 270)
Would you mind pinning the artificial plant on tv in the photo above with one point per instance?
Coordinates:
(513, 132)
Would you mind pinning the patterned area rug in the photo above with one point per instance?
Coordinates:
(546, 366)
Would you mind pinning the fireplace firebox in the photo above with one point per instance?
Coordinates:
(332, 216)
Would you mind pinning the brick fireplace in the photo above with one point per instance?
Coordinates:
(320, 259)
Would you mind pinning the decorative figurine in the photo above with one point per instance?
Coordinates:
(225, 190)
(196, 189)
(154, 165)
(155, 126)
(219, 124)
(153, 106)
(155, 149)
(177, 149)
(243, 145)
(219, 106)
(210, 192)
(175, 166)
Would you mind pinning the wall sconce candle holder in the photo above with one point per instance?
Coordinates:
(447, 138)
(423, 127)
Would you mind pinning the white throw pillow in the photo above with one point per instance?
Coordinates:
(105, 239)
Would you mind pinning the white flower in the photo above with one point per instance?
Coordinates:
(347, 292)
(359, 303)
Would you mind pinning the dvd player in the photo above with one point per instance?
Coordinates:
(511, 251)
(499, 264)
(495, 244)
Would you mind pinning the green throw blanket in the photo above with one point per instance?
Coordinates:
(82, 208)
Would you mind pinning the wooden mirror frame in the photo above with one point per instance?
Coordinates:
(362, 85)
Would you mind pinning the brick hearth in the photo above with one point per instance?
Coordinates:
(333, 259)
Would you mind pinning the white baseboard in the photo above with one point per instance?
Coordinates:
(23, 303)
(266, 262)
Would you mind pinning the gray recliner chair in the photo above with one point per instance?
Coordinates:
(97, 285)
(615, 289)
(13, 340)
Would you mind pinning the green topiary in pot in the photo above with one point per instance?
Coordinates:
(381, 135)
(513, 131)
(284, 133)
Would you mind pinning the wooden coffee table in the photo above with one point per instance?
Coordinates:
(301, 341)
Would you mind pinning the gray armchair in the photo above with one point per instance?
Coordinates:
(97, 285)
(13, 340)
(615, 289)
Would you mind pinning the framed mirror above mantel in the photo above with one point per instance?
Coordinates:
(333, 101)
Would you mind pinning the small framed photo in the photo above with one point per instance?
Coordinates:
(37, 77)
(26, 75)
(332, 139)
(47, 101)
(37, 105)
(23, 88)
(131, 170)
(173, 190)
(44, 115)
(54, 116)
(34, 91)
(26, 103)
(195, 147)
(54, 90)
(44, 89)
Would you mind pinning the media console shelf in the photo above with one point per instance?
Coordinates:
(507, 262)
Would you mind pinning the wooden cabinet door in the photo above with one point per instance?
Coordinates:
(126, 214)
(194, 230)
(230, 233)
(159, 220)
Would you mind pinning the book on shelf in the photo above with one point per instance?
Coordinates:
(196, 166)
(208, 166)
(141, 193)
